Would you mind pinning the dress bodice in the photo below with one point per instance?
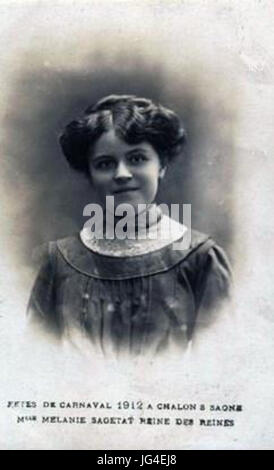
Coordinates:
(131, 303)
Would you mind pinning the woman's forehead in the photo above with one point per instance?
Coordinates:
(110, 142)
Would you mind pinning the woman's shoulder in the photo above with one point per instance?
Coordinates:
(207, 267)
(205, 250)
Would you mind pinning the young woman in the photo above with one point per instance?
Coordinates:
(128, 294)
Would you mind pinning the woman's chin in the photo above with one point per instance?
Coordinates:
(130, 199)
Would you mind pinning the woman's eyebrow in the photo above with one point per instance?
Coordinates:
(103, 155)
(136, 150)
(107, 155)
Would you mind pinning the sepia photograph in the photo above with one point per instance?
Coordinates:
(136, 195)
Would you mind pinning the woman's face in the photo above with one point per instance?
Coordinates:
(129, 173)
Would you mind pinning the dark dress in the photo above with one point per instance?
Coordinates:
(135, 304)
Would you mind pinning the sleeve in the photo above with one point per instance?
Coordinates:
(214, 279)
(211, 283)
(41, 310)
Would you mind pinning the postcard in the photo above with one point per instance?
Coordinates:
(137, 225)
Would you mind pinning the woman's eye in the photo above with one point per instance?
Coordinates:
(105, 165)
(138, 158)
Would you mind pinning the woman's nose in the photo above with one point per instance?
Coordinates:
(122, 173)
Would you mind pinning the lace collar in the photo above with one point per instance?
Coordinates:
(158, 233)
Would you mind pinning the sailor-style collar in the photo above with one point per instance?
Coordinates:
(94, 264)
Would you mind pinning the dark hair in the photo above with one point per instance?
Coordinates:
(134, 120)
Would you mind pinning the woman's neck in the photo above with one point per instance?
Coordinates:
(140, 223)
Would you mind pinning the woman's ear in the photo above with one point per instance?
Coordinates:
(162, 172)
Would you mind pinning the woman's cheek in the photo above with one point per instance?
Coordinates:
(151, 182)
(101, 183)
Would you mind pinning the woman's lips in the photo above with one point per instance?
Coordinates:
(125, 190)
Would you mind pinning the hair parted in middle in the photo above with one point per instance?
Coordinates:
(134, 120)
